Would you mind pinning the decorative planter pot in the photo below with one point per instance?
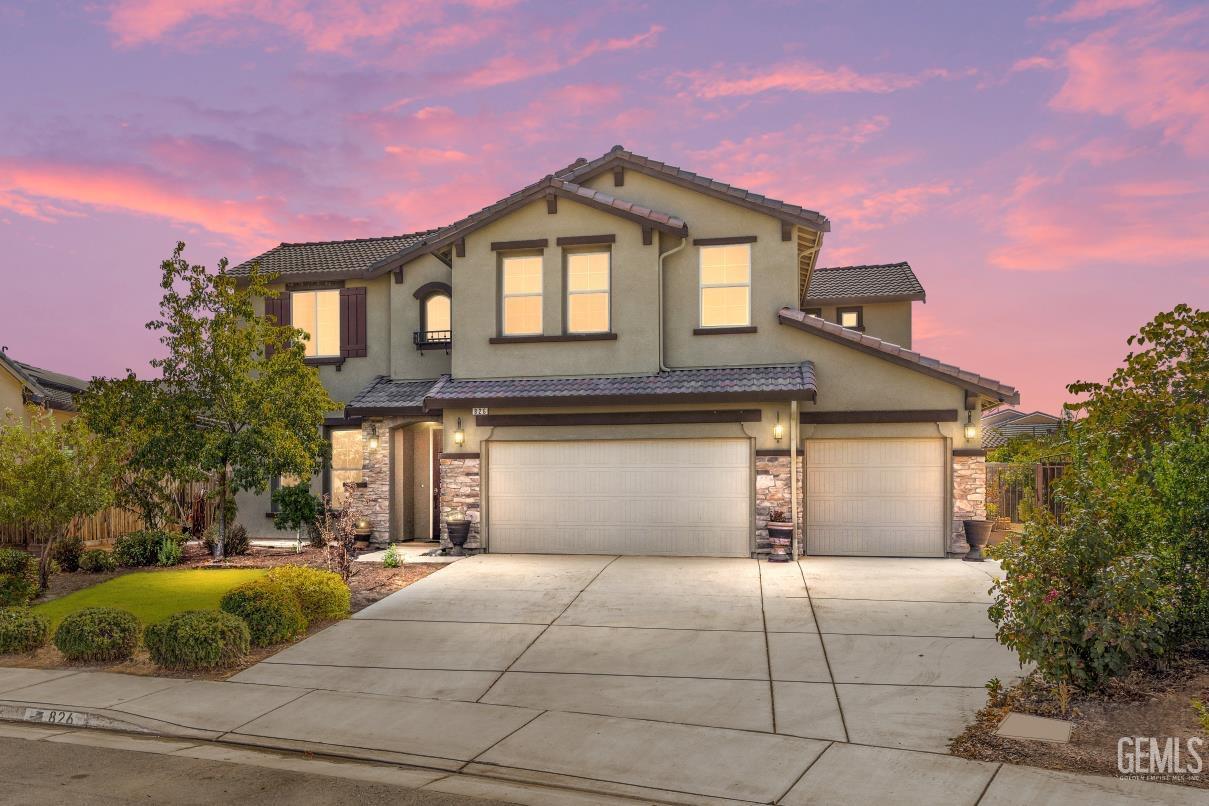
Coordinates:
(780, 536)
(977, 534)
(459, 532)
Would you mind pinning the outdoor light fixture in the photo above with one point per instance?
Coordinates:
(778, 430)
(971, 429)
(373, 437)
(459, 436)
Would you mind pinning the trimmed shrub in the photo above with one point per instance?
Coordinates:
(96, 561)
(139, 549)
(197, 639)
(18, 577)
(322, 595)
(66, 552)
(98, 634)
(235, 544)
(170, 552)
(270, 610)
(22, 630)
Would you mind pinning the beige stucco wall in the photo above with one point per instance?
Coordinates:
(405, 317)
(10, 393)
(632, 298)
(888, 321)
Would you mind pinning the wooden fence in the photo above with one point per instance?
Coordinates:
(1008, 485)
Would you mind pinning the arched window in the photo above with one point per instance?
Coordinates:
(436, 316)
(436, 313)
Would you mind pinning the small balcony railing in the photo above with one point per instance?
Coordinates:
(433, 340)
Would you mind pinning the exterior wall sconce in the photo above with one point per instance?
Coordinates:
(459, 436)
(971, 430)
(373, 437)
(778, 430)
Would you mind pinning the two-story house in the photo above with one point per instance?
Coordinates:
(628, 358)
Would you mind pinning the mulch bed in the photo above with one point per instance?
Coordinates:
(369, 583)
(1147, 703)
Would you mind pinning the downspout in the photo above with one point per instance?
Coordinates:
(793, 476)
(659, 297)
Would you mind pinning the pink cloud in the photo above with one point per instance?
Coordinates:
(1084, 10)
(427, 156)
(799, 77)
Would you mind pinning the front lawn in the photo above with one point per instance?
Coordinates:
(152, 595)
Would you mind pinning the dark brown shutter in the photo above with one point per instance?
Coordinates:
(279, 310)
(353, 341)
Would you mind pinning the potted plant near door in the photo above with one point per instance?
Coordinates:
(780, 535)
(458, 527)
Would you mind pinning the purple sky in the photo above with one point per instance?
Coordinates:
(1042, 167)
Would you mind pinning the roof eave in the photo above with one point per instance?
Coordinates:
(864, 299)
(431, 403)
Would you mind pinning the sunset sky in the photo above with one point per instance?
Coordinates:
(1043, 167)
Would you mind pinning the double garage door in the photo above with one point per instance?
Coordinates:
(693, 497)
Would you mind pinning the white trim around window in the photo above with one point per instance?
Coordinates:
(521, 295)
(724, 280)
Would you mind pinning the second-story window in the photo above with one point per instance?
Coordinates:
(437, 314)
(588, 292)
(318, 314)
(726, 285)
(521, 304)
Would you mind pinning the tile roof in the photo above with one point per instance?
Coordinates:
(337, 257)
(899, 355)
(582, 168)
(881, 282)
(786, 381)
(996, 434)
(53, 389)
(599, 199)
(389, 396)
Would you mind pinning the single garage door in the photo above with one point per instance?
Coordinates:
(667, 496)
(875, 497)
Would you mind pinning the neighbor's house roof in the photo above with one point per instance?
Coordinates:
(44, 387)
(618, 157)
(1001, 427)
(910, 359)
(883, 282)
(323, 258)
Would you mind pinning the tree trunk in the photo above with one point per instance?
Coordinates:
(44, 564)
(222, 516)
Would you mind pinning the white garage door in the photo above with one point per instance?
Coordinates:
(875, 497)
(669, 496)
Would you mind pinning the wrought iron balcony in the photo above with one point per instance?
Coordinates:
(433, 340)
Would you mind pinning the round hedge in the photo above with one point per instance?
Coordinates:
(322, 595)
(197, 639)
(271, 612)
(22, 630)
(98, 634)
(96, 561)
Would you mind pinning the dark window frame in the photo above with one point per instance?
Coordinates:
(584, 249)
(856, 309)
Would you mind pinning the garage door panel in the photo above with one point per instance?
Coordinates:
(670, 497)
(875, 497)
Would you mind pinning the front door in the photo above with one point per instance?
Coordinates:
(436, 483)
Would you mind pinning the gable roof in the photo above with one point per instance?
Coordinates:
(44, 387)
(910, 359)
(546, 186)
(323, 258)
(883, 282)
(582, 170)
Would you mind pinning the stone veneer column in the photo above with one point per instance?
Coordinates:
(772, 492)
(461, 494)
(969, 496)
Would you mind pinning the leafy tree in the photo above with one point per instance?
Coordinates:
(51, 474)
(241, 377)
(297, 509)
(159, 439)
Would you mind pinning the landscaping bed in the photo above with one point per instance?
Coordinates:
(1152, 703)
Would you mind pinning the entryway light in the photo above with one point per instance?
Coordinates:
(971, 429)
(459, 436)
(778, 430)
(373, 437)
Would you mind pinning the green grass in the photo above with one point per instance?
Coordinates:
(153, 595)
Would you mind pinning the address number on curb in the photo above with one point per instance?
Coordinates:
(74, 718)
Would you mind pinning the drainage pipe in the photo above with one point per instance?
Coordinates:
(659, 298)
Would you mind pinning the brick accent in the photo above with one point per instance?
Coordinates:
(969, 496)
(772, 492)
(461, 494)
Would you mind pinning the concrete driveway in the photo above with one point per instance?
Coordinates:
(713, 677)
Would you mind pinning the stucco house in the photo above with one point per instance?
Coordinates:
(629, 358)
(21, 384)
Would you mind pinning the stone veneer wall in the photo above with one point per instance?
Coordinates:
(969, 496)
(773, 492)
(461, 494)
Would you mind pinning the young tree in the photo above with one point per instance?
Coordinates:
(51, 474)
(297, 509)
(159, 439)
(242, 379)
